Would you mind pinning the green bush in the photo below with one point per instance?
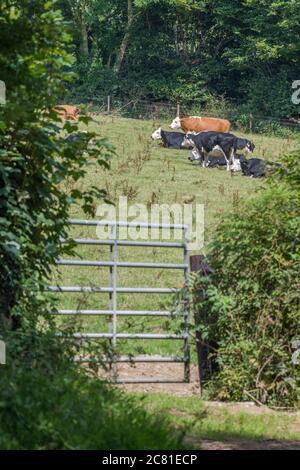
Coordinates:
(48, 402)
(251, 307)
(70, 410)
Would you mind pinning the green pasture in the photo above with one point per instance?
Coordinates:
(149, 174)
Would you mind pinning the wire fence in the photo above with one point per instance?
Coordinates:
(161, 111)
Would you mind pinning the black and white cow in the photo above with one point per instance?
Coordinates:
(218, 143)
(172, 140)
(254, 167)
(245, 145)
(207, 142)
(258, 168)
(217, 161)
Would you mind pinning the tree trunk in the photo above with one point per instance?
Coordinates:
(84, 45)
(78, 10)
(125, 41)
(176, 37)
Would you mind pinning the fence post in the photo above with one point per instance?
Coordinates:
(108, 104)
(251, 123)
(197, 265)
(178, 110)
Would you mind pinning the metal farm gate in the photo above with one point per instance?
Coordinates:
(113, 264)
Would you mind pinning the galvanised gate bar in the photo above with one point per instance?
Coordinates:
(113, 290)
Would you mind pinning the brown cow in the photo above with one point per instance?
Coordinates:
(67, 112)
(201, 124)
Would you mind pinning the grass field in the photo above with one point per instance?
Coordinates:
(224, 422)
(149, 174)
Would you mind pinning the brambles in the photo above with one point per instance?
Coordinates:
(251, 310)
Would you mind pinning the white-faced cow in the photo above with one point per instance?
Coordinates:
(201, 124)
(172, 140)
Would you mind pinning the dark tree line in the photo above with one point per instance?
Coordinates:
(194, 51)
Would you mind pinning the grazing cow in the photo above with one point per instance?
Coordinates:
(194, 155)
(67, 112)
(207, 142)
(172, 140)
(245, 145)
(201, 124)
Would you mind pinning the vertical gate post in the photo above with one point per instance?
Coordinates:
(187, 372)
(111, 283)
(113, 296)
(115, 260)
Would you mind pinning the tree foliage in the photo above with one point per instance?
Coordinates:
(188, 50)
(35, 159)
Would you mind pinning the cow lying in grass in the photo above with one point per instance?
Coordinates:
(171, 140)
(258, 168)
(254, 167)
(217, 161)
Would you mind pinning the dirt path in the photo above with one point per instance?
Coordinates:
(246, 445)
(168, 372)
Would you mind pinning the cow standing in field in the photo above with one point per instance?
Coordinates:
(201, 124)
(208, 142)
(243, 145)
(172, 140)
(212, 148)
